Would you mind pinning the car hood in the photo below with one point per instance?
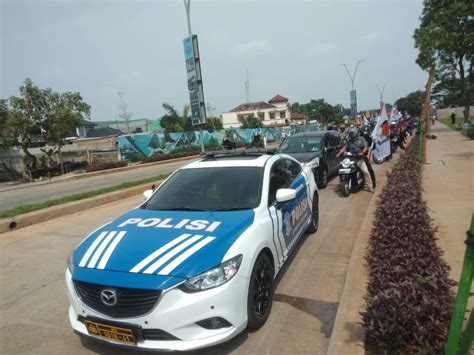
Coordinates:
(161, 243)
(306, 156)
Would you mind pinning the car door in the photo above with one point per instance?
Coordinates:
(290, 218)
(334, 146)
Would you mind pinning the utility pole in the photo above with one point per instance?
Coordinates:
(353, 93)
(187, 6)
(247, 88)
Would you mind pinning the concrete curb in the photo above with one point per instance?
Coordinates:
(28, 219)
(348, 335)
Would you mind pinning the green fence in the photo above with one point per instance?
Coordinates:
(459, 343)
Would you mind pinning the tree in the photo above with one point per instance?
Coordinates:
(171, 120)
(29, 113)
(319, 109)
(250, 121)
(124, 114)
(412, 103)
(5, 141)
(213, 124)
(446, 39)
(43, 112)
(66, 110)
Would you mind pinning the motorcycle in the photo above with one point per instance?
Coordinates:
(258, 141)
(350, 176)
(394, 137)
(228, 143)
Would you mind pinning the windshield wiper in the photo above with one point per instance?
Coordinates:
(232, 209)
(180, 209)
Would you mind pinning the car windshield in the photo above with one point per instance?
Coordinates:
(209, 189)
(300, 145)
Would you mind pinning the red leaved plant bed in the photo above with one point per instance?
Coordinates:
(105, 166)
(409, 298)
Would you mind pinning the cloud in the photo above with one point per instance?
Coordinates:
(252, 47)
(324, 48)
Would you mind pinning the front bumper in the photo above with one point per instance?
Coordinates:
(176, 312)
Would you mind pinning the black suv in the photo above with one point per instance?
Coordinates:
(317, 149)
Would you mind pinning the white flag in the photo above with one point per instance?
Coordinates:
(381, 135)
(395, 116)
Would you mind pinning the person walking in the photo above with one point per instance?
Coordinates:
(365, 133)
(453, 118)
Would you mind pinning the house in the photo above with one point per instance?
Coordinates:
(84, 127)
(297, 118)
(133, 125)
(274, 113)
(104, 132)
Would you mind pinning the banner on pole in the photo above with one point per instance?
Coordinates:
(193, 70)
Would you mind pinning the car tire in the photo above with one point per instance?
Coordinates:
(259, 299)
(378, 161)
(323, 177)
(313, 227)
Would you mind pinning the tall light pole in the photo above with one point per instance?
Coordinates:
(353, 95)
(381, 90)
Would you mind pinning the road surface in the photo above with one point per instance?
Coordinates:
(34, 193)
(33, 301)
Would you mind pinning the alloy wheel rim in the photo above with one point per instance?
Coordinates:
(262, 289)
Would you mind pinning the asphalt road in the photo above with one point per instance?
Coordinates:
(39, 192)
(33, 301)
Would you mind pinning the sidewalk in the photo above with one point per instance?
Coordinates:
(448, 179)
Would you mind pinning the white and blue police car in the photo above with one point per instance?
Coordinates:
(194, 265)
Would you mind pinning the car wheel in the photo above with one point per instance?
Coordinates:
(313, 227)
(323, 177)
(378, 161)
(259, 301)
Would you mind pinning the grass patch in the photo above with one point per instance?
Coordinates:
(76, 197)
(458, 124)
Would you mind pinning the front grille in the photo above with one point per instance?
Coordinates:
(131, 302)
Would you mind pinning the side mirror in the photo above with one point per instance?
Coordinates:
(147, 194)
(284, 195)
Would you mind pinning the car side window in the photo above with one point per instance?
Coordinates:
(293, 169)
(279, 179)
(282, 174)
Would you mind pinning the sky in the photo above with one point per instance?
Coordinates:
(293, 48)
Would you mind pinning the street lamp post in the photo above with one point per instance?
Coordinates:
(381, 90)
(353, 96)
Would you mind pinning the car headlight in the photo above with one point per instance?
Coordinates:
(213, 277)
(70, 264)
(346, 163)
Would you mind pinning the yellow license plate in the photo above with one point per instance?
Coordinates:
(110, 332)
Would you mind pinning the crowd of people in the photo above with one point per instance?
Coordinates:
(359, 139)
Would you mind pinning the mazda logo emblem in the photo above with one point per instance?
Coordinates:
(108, 297)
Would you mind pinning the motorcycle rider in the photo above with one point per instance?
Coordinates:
(358, 146)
